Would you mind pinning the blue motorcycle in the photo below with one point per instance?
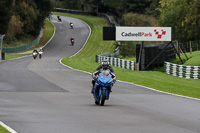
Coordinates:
(103, 87)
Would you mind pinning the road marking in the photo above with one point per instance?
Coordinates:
(7, 127)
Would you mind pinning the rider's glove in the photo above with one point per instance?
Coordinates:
(95, 75)
(114, 80)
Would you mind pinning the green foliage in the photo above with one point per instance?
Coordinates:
(14, 28)
(151, 10)
(57, 3)
(128, 49)
(27, 19)
(6, 13)
(25, 13)
(137, 6)
(72, 4)
(183, 16)
(44, 12)
(135, 19)
(119, 7)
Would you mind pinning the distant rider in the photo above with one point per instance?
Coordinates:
(104, 66)
(40, 53)
(35, 50)
(59, 18)
(72, 40)
(71, 25)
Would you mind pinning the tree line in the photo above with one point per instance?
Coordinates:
(182, 15)
(20, 17)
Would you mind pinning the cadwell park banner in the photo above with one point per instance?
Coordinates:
(143, 33)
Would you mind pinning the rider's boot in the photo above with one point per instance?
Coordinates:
(93, 82)
(92, 91)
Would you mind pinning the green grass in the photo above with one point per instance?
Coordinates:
(195, 60)
(49, 30)
(12, 56)
(3, 130)
(129, 58)
(85, 60)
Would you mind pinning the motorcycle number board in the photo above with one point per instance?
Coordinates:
(143, 33)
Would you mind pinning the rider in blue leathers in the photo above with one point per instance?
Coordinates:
(104, 66)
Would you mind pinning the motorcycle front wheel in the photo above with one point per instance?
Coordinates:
(102, 97)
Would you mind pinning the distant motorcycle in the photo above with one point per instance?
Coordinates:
(40, 54)
(59, 18)
(103, 87)
(71, 25)
(72, 41)
(34, 55)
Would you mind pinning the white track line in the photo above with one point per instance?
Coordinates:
(7, 127)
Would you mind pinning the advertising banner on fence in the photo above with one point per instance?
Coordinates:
(143, 33)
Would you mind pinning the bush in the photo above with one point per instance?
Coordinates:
(135, 19)
(128, 49)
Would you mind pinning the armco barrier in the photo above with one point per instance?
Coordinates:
(23, 47)
(117, 62)
(182, 71)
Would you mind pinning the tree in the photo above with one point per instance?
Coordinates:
(27, 12)
(135, 19)
(152, 9)
(183, 16)
(6, 13)
(72, 4)
(136, 6)
(44, 8)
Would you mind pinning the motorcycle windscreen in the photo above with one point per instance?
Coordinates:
(104, 79)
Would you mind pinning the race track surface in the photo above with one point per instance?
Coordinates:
(43, 96)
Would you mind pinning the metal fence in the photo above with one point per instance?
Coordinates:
(117, 62)
(23, 47)
(182, 71)
(195, 46)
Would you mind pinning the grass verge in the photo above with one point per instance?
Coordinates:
(85, 60)
(12, 56)
(3, 130)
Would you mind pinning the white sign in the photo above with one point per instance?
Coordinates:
(143, 33)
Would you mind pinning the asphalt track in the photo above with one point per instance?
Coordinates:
(43, 96)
